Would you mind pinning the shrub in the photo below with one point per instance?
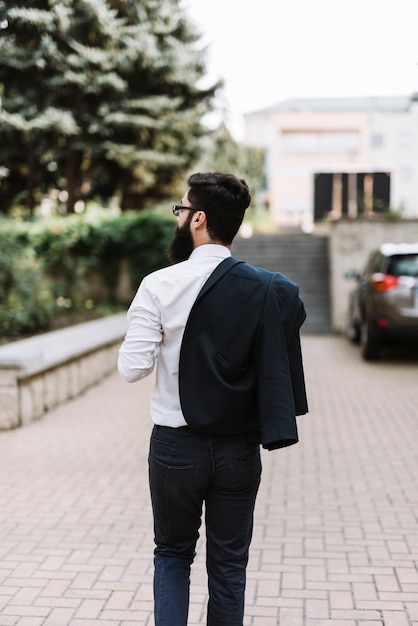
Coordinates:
(144, 243)
(74, 262)
(26, 303)
(75, 248)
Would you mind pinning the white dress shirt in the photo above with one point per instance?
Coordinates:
(157, 317)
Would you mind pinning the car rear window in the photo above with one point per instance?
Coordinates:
(403, 265)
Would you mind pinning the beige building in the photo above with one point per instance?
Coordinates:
(338, 157)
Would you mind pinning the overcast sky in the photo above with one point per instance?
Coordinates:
(270, 50)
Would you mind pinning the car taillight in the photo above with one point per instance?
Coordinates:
(384, 282)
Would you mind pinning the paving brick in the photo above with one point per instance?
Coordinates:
(386, 583)
(335, 622)
(24, 611)
(259, 621)
(25, 596)
(93, 622)
(407, 576)
(335, 538)
(290, 616)
(358, 614)
(316, 574)
(121, 615)
(8, 620)
(89, 609)
(395, 618)
(292, 580)
(394, 605)
(412, 609)
(64, 602)
(341, 600)
(120, 600)
(318, 608)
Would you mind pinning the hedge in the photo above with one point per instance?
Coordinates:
(75, 262)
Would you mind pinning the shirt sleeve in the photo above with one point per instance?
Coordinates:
(139, 350)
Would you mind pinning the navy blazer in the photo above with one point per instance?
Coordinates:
(241, 367)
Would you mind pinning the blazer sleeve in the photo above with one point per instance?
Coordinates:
(294, 315)
(281, 387)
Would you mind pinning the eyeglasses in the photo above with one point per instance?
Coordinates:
(178, 208)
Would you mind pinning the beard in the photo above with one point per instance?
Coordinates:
(181, 246)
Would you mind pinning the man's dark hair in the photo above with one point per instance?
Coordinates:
(224, 198)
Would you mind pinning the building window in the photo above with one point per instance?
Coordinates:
(377, 140)
(405, 140)
(318, 142)
(297, 143)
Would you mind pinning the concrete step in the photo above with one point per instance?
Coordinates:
(303, 259)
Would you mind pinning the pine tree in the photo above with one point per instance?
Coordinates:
(29, 122)
(157, 124)
(102, 91)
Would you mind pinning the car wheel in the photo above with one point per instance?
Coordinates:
(352, 330)
(370, 344)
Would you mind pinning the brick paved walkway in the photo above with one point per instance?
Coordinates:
(336, 533)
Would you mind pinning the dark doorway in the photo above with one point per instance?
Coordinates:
(322, 196)
(381, 192)
(323, 189)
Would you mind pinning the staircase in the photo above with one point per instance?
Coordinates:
(303, 259)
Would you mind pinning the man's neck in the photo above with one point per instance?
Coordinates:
(212, 243)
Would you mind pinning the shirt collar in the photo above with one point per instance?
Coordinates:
(210, 249)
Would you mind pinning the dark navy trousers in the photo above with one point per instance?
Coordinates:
(186, 470)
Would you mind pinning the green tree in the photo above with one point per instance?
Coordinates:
(99, 96)
(163, 104)
(222, 153)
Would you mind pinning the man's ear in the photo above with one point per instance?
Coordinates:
(200, 218)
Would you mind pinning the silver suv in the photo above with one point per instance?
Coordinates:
(384, 304)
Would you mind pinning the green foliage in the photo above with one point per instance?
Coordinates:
(26, 303)
(222, 153)
(145, 240)
(98, 98)
(74, 247)
(75, 263)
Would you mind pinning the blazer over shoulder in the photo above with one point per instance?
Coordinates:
(240, 368)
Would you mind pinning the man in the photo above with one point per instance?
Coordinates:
(229, 377)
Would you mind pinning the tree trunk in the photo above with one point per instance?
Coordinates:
(31, 178)
(73, 177)
(124, 191)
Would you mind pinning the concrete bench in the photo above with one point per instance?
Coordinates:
(46, 370)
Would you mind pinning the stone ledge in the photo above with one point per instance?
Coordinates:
(44, 371)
